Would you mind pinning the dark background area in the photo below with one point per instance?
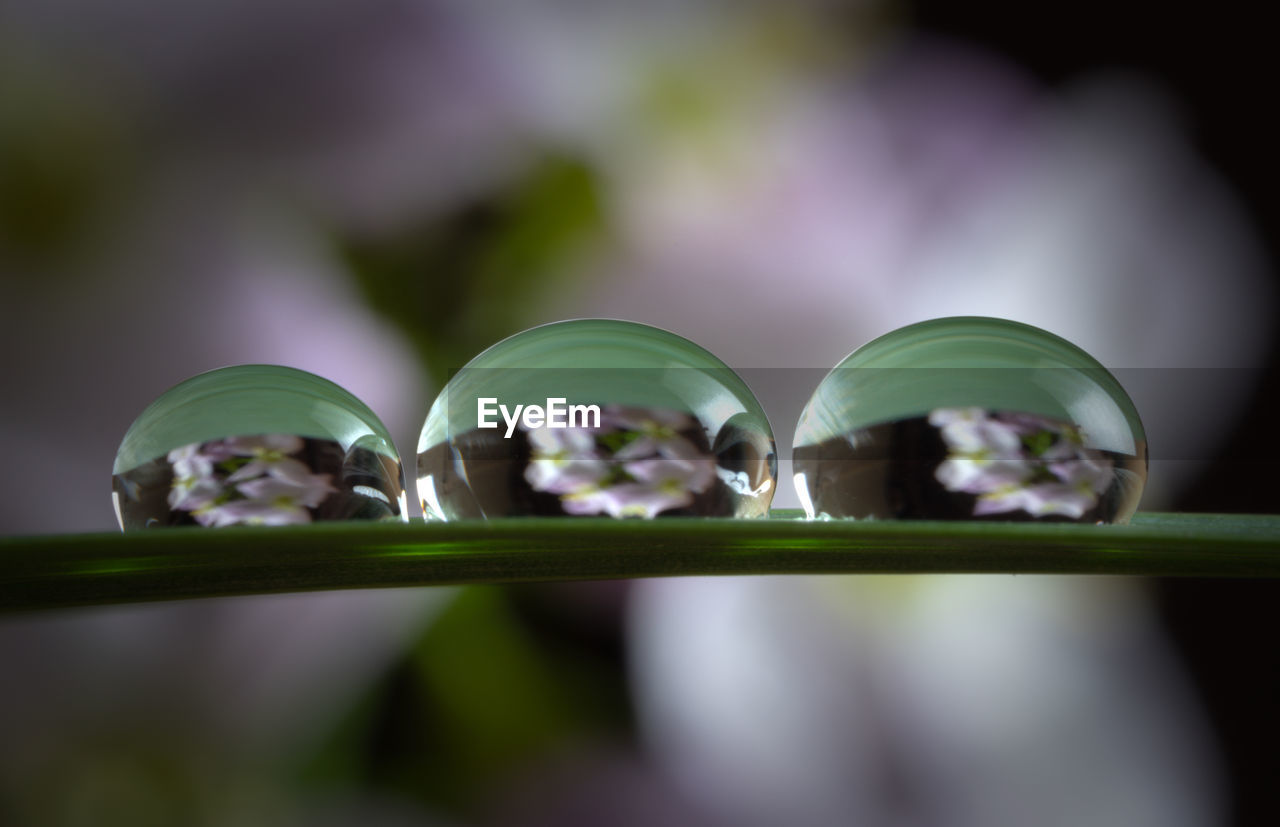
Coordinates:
(1219, 63)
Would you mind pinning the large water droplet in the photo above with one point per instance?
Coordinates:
(970, 418)
(256, 445)
(596, 417)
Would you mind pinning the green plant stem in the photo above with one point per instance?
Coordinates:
(44, 572)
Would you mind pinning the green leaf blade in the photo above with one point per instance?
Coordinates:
(77, 570)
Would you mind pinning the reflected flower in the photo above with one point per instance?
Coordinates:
(985, 455)
(659, 484)
(270, 501)
(246, 480)
(564, 460)
(194, 485)
(969, 431)
(287, 493)
(978, 475)
(628, 500)
(638, 463)
(189, 462)
(269, 454)
(688, 474)
(1019, 462)
(655, 430)
(1038, 500)
(1087, 473)
(192, 493)
(254, 512)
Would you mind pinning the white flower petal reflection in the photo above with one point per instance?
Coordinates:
(660, 484)
(286, 492)
(192, 493)
(1020, 462)
(269, 501)
(627, 499)
(189, 462)
(1038, 500)
(638, 463)
(564, 460)
(969, 431)
(254, 512)
(688, 474)
(1087, 473)
(270, 455)
(658, 429)
(979, 475)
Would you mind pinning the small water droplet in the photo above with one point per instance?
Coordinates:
(970, 418)
(596, 417)
(256, 445)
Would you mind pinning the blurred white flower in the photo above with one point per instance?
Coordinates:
(962, 701)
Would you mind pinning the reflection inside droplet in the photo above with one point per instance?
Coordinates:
(970, 419)
(628, 421)
(197, 456)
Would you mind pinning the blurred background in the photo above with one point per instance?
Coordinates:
(377, 191)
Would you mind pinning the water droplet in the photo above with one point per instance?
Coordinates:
(256, 445)
(970, 418)
(596, 417)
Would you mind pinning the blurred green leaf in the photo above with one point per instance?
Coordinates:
(483, 694)
(64, 161)
(456, 285)
(175, 563)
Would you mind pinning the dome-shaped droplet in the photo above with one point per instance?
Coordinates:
(970, 418)
(596, 417)
(256, 445)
